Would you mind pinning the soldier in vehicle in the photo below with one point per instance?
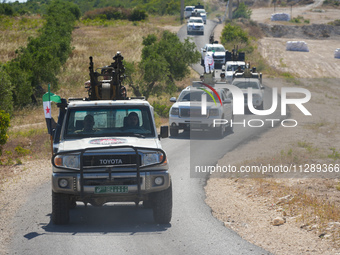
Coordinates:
(123, 92)
(132, 120)
(88, 125)
(223, 78)
(239, 70)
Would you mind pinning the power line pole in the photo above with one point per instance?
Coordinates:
(182, 11)
(230, 6)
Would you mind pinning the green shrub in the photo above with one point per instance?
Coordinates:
(4, 125)
(161, 109)
(6, 100)
(231, 33)
(138, 15)
(113, 13)
(21, 151)
(242, 11)
(335, 22)
(6, 9)
(41, 60)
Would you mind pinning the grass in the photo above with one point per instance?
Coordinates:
(14, 33)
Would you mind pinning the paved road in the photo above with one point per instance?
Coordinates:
(125, 229)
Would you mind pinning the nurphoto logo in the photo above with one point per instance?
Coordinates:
(239, 105)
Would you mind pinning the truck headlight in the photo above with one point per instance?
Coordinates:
(213, 112)
(159, 180)
(152, 158)
(174, 111)
(71, 161)
(63, 183)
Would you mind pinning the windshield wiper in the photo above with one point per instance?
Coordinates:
(133, 134)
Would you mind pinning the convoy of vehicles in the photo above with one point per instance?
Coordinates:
(108, 150)
(200, 13)
(100, 157)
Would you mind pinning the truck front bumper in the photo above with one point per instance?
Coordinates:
(105, 184)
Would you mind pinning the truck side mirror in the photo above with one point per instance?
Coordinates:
(173, 99)
(164, 132)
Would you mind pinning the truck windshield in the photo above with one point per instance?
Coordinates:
(234, 67)
(110, 121)
(195, 21)
(195, 96)
(246, 84)
(216, 49)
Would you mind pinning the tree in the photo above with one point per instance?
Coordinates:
(164, 61)
(242, 11)
(6, 9)
(232, 33)
(40, 61)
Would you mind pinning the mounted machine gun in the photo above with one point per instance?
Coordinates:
(106, 84)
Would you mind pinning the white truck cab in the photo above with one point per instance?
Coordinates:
(109, 151)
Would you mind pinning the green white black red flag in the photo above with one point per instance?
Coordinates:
(47, 99)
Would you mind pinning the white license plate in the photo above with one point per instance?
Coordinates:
(111, 189)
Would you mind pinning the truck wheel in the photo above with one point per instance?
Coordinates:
(202, 62)
(148, 204)
(162, 206)
(230, 129)
(260, 107)
(73, 204)
(60, 208)
(219, 132)
(173, 132)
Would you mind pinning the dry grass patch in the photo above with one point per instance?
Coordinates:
(14, 32)
(314, 203)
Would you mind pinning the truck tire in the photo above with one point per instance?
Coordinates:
(147, 204)
(219, 132)
(202, 62)
(173, 132)
(162, 206)
(60, 208)
(260, 107)
(230, 129)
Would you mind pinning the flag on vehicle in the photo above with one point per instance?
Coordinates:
(47, 99)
